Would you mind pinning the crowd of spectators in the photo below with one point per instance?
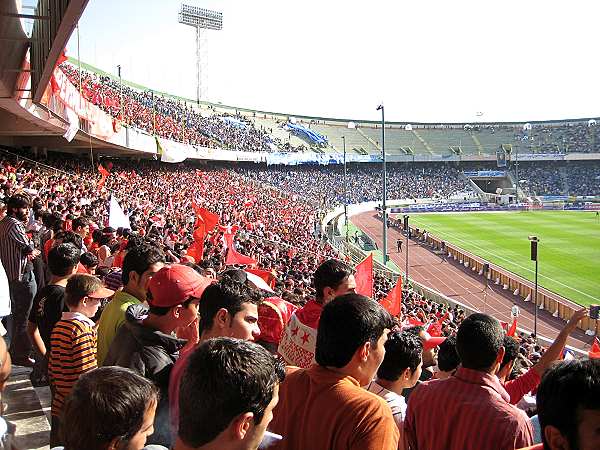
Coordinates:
(560, 178)
(161, 291)
(166, 117)
(325, 184)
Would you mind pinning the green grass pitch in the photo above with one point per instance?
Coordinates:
(568, 252)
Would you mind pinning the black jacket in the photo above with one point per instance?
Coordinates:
(152, 354)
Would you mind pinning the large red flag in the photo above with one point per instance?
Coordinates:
(513, 328)
(105, 173)
(393, 301)
(594, 352)
(364, 277)
(233, 257)
(210, 219)
(435, 329)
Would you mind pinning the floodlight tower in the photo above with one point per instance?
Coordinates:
(202, 19)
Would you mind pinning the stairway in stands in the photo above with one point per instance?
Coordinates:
(423, 141)
(565, 180)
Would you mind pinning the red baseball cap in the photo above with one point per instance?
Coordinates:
(174, 284)
(430, 342)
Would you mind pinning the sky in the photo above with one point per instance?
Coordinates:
(426, 60)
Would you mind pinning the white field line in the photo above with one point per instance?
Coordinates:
(511, 262)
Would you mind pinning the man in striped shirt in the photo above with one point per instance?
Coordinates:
(73, 342)
(16, 253)
(470, 410)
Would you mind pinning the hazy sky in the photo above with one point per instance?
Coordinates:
(426, 60)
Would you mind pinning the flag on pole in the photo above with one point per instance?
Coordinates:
(393, 301)
(364, 277)
(435, 329)
(116, 217)
(105, 173)
(513, 328)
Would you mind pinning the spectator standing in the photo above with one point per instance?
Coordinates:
(227, 309)
(139, 265)
(448, 359)
(48, 306)
(109, 408)
(568, 404)
(474, 409)
(529, 381)
(16, 253)
(325, 406)
(145, 342)
(228, 392)
(400, 369)
(297, 346)
(73, 342)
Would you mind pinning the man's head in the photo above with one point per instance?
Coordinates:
(568, 404)
(228, 392)
(430, 345)
(332, 279)
(139, 265)
(84, 293)
(18, 206)
(89, 261)
(81, 226)
(352, 333)
(109, 408)
(68, 237)
(448, 359)
(174, 293)
(63, 260)
(480, 343)
(403, 359)
(230, 308)
(511, 351)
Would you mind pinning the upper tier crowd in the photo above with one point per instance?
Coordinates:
(146, 337)
(166, 117)
(175, 120)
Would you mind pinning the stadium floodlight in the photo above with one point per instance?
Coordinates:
(534, 257)
(202, 20)
(384, 177)
(406, 227)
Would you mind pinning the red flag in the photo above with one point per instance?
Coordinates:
(594, 352)
(265, 275)
(103, 171)
(364, 277)
(233, 257)
(435, 329)
(61, 58)
(513, 328)
(393, 301)
(210, 219)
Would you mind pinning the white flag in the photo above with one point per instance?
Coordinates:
(116, 216)
(73, 125)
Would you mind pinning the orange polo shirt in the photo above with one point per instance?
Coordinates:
(321, 409)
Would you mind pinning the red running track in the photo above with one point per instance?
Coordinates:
(463, 285)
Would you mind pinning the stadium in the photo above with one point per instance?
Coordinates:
(436, 222)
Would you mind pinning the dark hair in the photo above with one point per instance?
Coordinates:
(331, 274)
(62, 258)
(138, 259)
(346, 323)
(224, 378)
(69, 237)
(478, 340)
(17, 201)
(227, 293)
(106, 403)
(448, 359)
(511, 350)
(88, 259)
(80, 285)
(566, 389)
(134, 241)
(402, 350)
(80, 222)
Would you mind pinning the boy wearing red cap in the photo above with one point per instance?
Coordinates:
(145, 342)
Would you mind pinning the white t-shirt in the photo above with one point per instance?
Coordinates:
(396, 402)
